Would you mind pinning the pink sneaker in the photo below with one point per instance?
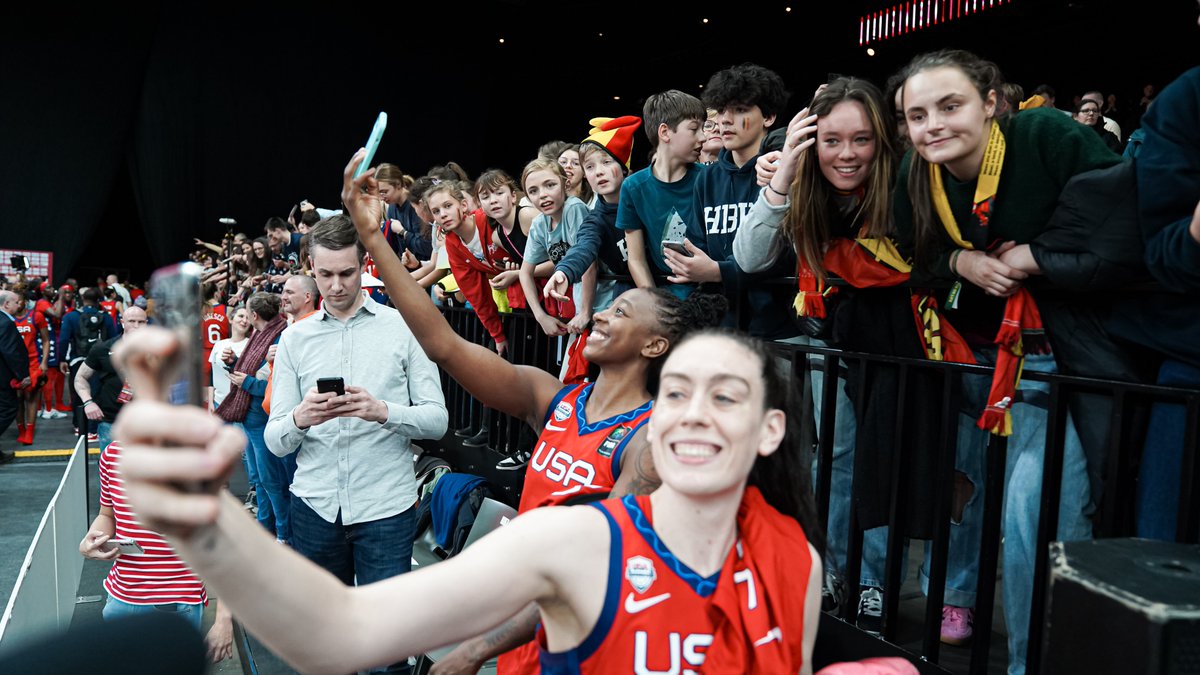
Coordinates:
(957, 624)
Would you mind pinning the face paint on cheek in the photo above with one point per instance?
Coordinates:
(745, 124)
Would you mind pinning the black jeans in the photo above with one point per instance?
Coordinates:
(78, 417)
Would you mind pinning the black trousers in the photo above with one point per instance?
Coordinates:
(78, 418)
(8, 408)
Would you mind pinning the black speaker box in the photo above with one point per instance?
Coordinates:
(1127, 606)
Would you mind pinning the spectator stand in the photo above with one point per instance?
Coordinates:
(908, 630)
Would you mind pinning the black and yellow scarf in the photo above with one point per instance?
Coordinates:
(1021, 329)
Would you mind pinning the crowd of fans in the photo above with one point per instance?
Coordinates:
(936, 218)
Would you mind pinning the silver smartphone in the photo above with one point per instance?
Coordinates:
(678, 247)
(126, 546)
(177, 304)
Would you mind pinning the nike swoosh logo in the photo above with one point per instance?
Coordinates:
(551, 427)
(634, 606)
(771, 636)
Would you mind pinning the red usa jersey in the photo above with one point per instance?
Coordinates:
(110, 306)
(30, 326)
(574, 457)
(656, 615)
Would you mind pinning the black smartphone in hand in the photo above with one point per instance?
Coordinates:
(334, 384)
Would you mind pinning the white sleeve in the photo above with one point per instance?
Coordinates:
(757, 243)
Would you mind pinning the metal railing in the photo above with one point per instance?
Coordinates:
(44, 596)
(530, 346)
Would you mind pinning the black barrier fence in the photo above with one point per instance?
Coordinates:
(910, 383)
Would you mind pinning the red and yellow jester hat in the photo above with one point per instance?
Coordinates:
(615, 135)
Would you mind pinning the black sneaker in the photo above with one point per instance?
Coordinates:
(479, 440)
(465, 432)
(833, 593)
(870, 610)
(514, 462)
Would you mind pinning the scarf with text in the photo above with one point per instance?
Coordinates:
(1021, 330)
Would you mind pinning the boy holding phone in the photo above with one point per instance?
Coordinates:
(656, 201)
(747, 99)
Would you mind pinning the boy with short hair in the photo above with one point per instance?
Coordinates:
(656, 200)
(747, 98)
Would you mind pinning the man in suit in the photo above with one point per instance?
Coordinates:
(14, 367)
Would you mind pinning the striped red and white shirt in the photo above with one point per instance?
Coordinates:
(155, 578)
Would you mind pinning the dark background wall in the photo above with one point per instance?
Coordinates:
(125, 132)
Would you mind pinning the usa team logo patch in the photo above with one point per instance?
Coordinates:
(562, 411)
(639, 571)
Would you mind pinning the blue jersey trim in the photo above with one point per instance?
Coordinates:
(562, 393)
(581, 416)
(569, 662)
(704, 586)
(616, 458)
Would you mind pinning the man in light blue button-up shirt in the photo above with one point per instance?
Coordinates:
(355, 489)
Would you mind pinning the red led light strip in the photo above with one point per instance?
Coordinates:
(914, 15)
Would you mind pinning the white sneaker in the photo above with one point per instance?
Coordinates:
(53, 415)
(513, 462)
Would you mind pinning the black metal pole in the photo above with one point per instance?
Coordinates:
(1047, 530)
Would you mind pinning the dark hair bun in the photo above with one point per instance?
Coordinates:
(703, 310)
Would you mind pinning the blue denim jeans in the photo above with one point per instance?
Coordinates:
(361, 553)
(841, 479)
(1162, 458)
(249, 461)
(274, 498)
(116, 609)
(1022, 498)
(104, 432)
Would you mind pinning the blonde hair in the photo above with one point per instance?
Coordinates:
(544, 164)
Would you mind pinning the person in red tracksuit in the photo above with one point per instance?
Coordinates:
(32, 326)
